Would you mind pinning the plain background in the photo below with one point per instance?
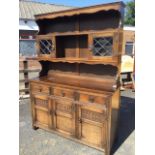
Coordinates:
(145, 77)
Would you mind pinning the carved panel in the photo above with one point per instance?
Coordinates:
(64, 107)
(41, 102)
(92, 115)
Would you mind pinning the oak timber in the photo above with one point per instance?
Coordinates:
(77, 94)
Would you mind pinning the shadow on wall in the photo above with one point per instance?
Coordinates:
(126, 123)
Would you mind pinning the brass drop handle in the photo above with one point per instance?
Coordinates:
(40, 89)
(91, 99)
(76, 96)
(62, 93)
(80, 120)
(53, 112)
(90, 47)
(51, 91)
(53, 47)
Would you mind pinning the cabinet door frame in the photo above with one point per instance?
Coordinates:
(55, 101)
(115, 45)
(102, 125)
(45, 37)
(41, 108)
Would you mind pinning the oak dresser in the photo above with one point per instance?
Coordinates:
(77, 94)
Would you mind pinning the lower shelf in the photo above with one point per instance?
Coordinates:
(107, 60)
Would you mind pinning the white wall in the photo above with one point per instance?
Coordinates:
(129, 28)
(28, 25)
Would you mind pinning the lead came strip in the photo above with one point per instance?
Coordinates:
(102, 46)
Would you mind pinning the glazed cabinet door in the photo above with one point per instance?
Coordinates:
(45, 46)
(41, 108)
(104, 44)
(92, 126)
(64, 116)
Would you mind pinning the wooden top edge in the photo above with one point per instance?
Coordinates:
(79, 33)
(45, 79)
(105, 61)
(77, 11)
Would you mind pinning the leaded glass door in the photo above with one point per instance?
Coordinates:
(104, 44)
(46, 46)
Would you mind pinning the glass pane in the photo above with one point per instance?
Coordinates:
(45, 46)
(27, 47)
(129, 48)
(102, 46)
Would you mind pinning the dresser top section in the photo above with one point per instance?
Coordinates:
(118, 6)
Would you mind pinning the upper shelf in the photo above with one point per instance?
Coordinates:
(107, 60)
(85, 10)
(79, 33)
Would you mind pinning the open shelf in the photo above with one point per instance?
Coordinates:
(81, 22)
(79, 32)
(72, 46)
(92, 46)
(91, 38)
(111, 60)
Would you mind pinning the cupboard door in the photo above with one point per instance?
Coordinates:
(41, 111)
(92, 125)
(64, 117)
(45, 46)
(102, 44)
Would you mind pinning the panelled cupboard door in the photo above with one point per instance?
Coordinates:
(103, 44)
(41, 110)
(64, 117)
(92, 125)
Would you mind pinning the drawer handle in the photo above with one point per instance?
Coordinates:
(80, 120)
(51, 91)
(53, 112)
(76, 96)
(62, 93)
(91, 99)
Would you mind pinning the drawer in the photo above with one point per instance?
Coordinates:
(63, 92)
(38, 88)
(92, 98)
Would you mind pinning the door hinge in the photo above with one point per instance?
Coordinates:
(80, 120)
(52, 112)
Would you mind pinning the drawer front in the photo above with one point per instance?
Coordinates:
(92, 98)
(38, 88)
(61, 92)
